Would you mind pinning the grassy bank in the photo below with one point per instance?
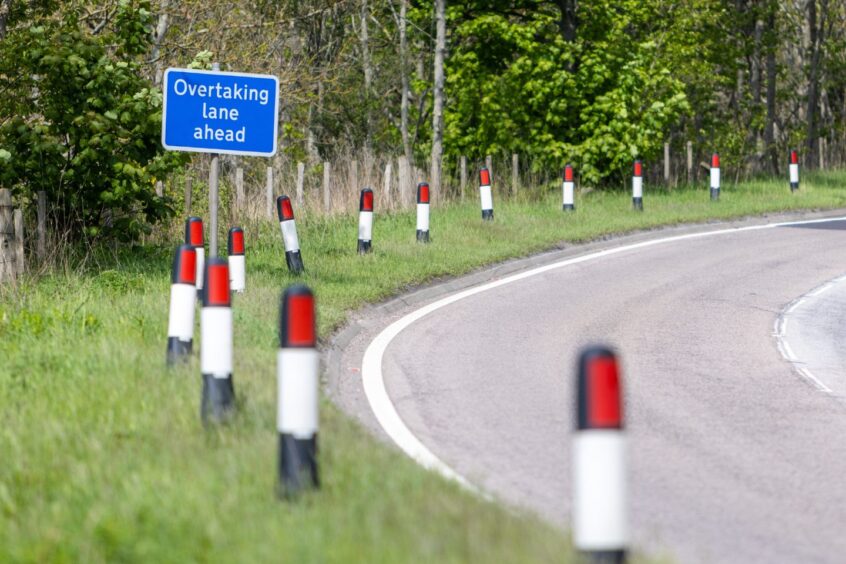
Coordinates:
(103, 456)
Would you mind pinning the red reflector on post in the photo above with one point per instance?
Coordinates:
(284, 208)
(194, 231)
(366, 201)
(297, 319)
(598, 391)
(638, 168)
(216, 284)
(236, 241)
(422, 193)
(715, 160)
(794, 157)
(568, 173)
(604, 393)
(484, 177)
(185, 266)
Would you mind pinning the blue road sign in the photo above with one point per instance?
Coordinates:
(220, 112)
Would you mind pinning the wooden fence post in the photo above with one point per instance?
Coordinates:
(19, 242)
(666, 163)
(354, 176)
(689, 162)
(327, 195)
(159, 188)
(41, 244)
(189, 187)
(404, 181)
(7, 237)
(300, 181)
(239, 189)
(821, 151)
(268, 192)
(515, 173)
(386, 187)
(489, 165)
(463, 166)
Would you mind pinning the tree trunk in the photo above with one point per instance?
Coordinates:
(406, 143)
(158, 39)
(438, 107)
(5, 6)
(772, 76)
(815, 50)
(368, 73)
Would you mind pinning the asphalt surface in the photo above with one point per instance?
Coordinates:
(734, 455)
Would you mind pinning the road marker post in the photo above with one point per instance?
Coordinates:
(194, 237)
(485, 194)
(288, 225)
(637, 186)
(237, 260)
(183, 294)
(218, 399)
(715, 177)
(600, 524)
(423, 212)
(297, 392)
(365, 221)
(794, 170)
(569, 204)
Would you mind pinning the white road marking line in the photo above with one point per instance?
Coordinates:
(371, 366)
(781, 333)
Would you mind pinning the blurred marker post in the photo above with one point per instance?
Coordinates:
(423, 212)
(297, 387)
(600, 524)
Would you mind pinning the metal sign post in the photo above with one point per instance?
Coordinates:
(219, 112)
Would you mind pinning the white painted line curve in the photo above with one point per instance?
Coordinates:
(371, 369)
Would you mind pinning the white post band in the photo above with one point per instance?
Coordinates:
(568, 193)
(599, 490)
(298, 392)
(180, 322)
(365, 226)
(237, 273)
(715, 178)
(289, 235)
(637, 187)
(794, 173)
(216, 341)
(201, 255)
(423, 217)
(487, 198)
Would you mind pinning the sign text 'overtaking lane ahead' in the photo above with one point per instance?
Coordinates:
(220, 112)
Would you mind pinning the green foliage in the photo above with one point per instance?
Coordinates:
(82, 124)
(518, 84)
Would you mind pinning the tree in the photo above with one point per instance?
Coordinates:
(438, 102)
(81, 123)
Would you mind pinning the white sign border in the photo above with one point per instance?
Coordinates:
(221, 151)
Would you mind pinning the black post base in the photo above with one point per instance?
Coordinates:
(715, 194)
(364, 247)
(297, 465)
(294, 260)
(569, 207)
(422, 236)
(487, 215)
(218, 403)
(178, 350)
(602, 556)
(794, 186)
(637, 204)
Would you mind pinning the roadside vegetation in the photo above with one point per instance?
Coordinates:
(104, 457)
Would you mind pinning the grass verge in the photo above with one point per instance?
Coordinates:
(104, 458)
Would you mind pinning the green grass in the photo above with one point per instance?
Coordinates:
(104, 458)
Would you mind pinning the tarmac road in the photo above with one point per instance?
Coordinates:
(735, 456)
